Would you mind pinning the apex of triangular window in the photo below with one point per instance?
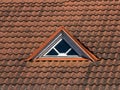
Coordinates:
(62, 46)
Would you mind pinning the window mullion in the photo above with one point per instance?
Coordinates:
(68, 51)
(56, 50)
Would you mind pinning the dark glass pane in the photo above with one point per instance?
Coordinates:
(62, 47)
(52, 52)
(72, 52)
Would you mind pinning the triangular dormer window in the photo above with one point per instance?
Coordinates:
(62, 46)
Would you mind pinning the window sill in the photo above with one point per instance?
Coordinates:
(61, 58)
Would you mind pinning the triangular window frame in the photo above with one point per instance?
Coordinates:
(62, 34)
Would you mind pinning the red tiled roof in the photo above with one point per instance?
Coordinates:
(24, 26)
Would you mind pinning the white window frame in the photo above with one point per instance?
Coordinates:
(57, 39)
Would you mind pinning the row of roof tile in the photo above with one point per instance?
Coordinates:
(59, 2)
(58, 81)
(59, 87)
(73, 29)
(57, 8)
(85, 23)
(60, 13)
